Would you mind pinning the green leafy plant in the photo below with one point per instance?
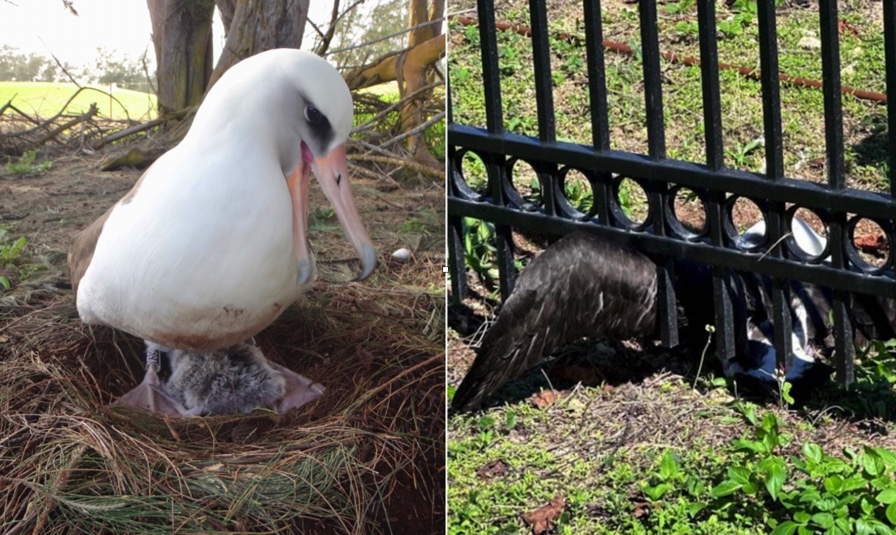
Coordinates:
(479, 248)
(26, 166)
(677, 8)
(579, 195)
(9, 254)
(742, 151)
(823, 493)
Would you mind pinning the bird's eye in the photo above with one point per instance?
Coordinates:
(313, 115)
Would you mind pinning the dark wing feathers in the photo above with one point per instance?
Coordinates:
(581, 286)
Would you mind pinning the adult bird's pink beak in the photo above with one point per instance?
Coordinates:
(332, 174)
(297, 183)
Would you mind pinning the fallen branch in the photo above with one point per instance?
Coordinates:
(49, 121)
(406, 163)
(136, 129)
(66, 125)
(7, 105)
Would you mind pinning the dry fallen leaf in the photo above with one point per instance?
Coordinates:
(641, 509)
(545, 398)
(542, 519)
(870, 242)
(493, 469)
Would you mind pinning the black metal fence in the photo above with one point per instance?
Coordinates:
(839, 267)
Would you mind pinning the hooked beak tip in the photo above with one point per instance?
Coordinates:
(368, 262)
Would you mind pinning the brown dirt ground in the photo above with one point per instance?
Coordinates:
(393, 342)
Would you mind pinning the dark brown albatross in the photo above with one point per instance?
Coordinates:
(583, 286)
(557, 301)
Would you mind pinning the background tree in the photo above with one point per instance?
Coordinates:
(182, 38)
(410, 68)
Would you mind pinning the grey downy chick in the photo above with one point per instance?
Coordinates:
(238, 379)
(234, 380)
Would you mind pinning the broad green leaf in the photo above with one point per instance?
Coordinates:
(739, 474)
(657, 492)
(853, 483)
(725, 488)
(863, 527)
(887, 496)
(812, 452)
(668, 466)
(825, 520)
(785, 528)
(775, 476)
(833, 484)
(871, 462)
(891, 513)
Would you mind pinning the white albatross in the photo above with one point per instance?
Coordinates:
(210, 245)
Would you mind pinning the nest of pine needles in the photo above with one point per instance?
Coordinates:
(368, 456)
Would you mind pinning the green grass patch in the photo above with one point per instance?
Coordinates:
(46, 99)
(25, 164)
(862, 56)
(662, 457)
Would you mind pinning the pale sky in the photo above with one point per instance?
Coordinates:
(42, 26)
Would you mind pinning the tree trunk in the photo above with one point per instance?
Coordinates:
(253, 26)
(413, 74)
(182, 38)
(419, 14)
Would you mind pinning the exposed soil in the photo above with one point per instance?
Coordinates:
(382, 337)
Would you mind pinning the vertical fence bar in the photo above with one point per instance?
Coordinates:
(544, 83)
(597, 91)
(833, 108)
(653, 82)
(774, 165)
(544, 100)
(491, 75)
(456, 258)
(833, 136)
(715, 159)
(890, 62)
(656, 148)
(771, 89)
(494, 119)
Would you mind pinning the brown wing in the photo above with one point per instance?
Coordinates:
(80, 253)
(580, 286)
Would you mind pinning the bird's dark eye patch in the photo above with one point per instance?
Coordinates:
(313, 115)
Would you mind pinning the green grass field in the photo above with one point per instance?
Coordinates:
(45, 99)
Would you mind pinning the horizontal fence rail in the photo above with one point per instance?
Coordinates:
(661, 235)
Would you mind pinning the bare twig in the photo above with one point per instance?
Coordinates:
(385, 111)
(70, 77)
(325, 38)
(60, 114)
(391, 35)
(416, 130)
